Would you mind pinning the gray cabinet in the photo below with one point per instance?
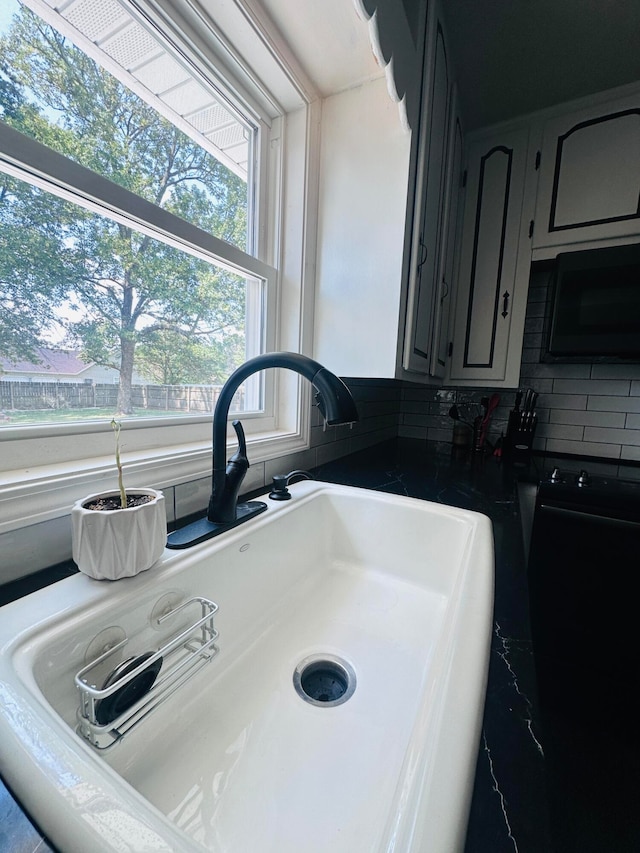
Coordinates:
(427, 302)
(495, 257)
(447, 267)
(589, 184)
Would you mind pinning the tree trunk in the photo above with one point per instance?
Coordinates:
(127, 348)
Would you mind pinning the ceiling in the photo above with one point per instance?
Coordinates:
(516, 56)
(511, 56)
(330, 41)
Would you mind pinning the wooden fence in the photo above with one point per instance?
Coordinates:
(43, 396)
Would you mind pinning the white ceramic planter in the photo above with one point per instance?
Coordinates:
(113, 544)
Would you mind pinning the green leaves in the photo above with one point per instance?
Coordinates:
(119, 295)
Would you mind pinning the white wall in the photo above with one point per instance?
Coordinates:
(364, 165)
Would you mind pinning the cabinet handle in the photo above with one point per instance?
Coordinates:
(505, 303)
(444, 291)
(423, 254)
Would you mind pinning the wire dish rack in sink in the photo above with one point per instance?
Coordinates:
(135, 686)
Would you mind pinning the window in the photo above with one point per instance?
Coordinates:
(114, 288)
(142, 196)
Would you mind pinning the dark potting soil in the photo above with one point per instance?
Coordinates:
(114, 502)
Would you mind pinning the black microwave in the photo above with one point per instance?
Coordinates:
(595, 305)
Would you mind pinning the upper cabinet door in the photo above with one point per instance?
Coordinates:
(427, 228)
(445, 283)
(494, 269)
(589, 184)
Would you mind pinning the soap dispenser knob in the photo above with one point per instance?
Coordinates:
(279, 490)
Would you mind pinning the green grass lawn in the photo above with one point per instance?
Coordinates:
(54, 416)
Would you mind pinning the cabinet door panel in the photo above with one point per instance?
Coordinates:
(590, 176)
(486, 273)
(487, 281)
(595, 162)
(446, 283)
(428, 222)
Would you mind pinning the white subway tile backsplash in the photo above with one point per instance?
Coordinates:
(254, 477)
(562, 401)
(600, 401)
(561, 431)
(374, 408)
(532, 340)
(612, 436)
(34, 547)
(615, 371)
(445, 395)
(422, 407)
(539, 443)
(630, 454)
(612, 387)
(420, 392)
(613, 404)
(553, 371)
(329, 452)
(529, 357)
(530, 379)
(536, 307)
(380, 389)
(316, 417)
(566, 371)
(534, 324)
(417, 420)
(537, 294)
(192, 497)
(587, 418)
(285, 464)
(322, 435)
(361, 442)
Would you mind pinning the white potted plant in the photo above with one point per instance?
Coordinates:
(119, 533)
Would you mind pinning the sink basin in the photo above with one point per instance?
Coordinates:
(385, 598)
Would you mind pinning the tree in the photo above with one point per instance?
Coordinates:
(171, 358)
(35, 271)
(130, 289)
(34, 268)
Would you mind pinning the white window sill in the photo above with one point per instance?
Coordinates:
(33, 495)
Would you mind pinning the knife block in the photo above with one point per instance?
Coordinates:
(520, 434)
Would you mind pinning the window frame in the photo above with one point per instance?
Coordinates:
(54, 465)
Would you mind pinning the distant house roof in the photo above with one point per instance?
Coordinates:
(67, 362)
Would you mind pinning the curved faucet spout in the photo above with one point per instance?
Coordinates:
(333, 398)
(335, 402)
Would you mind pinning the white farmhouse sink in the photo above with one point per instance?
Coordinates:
(235, 760)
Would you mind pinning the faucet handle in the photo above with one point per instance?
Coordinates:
(241, 452)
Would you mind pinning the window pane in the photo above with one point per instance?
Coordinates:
(165, 135)
(97, 318)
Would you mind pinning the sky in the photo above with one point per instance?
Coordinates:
(7, 10)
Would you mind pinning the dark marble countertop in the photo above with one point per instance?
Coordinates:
(508, 811)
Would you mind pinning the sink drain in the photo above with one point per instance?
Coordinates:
(324, 680)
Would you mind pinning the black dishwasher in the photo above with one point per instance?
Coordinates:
(583, 572)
